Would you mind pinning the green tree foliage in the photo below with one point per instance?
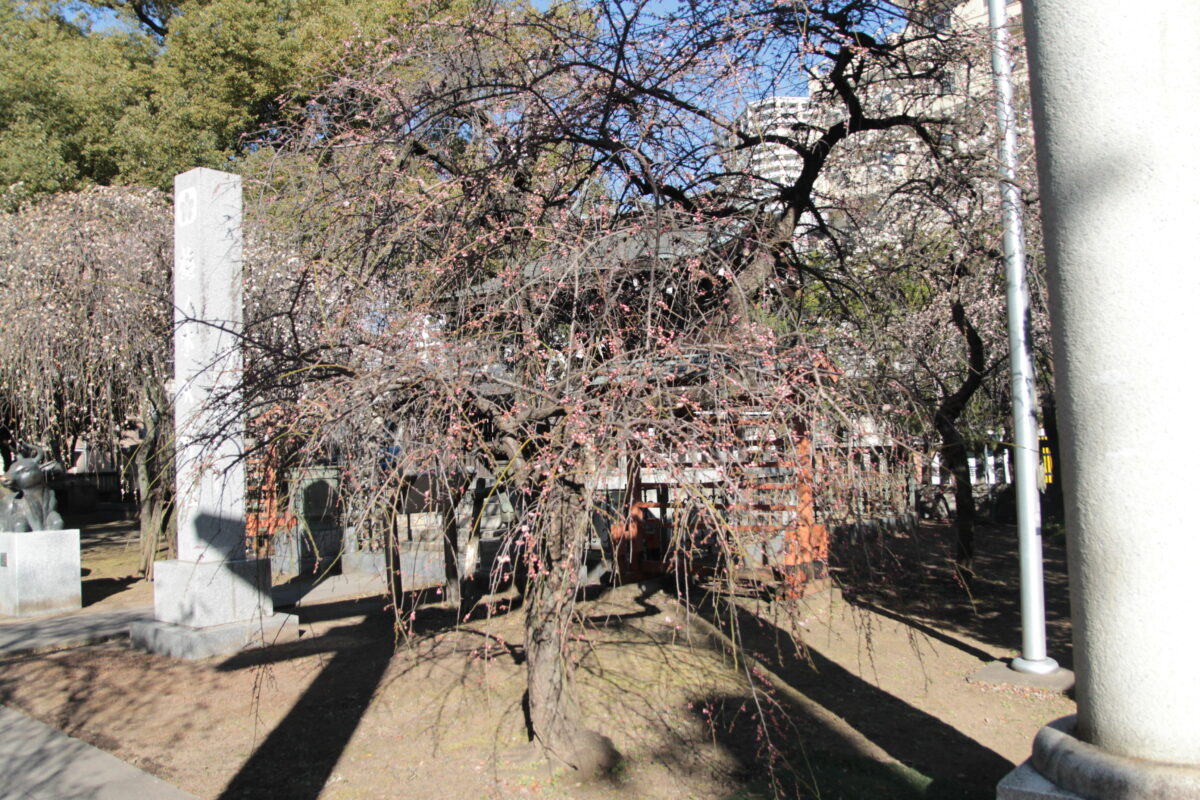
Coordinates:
(222, 66)
(137, 92)
(64, 91)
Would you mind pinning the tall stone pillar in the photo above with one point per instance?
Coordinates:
(211, 599)
(1115, 87)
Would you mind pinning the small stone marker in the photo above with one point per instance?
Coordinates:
(39, 572)
(211, 600)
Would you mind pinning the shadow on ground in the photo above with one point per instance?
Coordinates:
(787, 767)
(910, 578)
(296, 759)
(97, 589)
(812, 760)
(910, 582)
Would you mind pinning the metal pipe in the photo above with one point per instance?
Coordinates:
(1033, 658)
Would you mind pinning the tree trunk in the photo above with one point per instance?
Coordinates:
(954, 450)
(553, 710)
(945, 419)
(454, 490)
(450, 555)
(155, 496)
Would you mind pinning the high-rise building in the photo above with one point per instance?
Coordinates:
(765, 165)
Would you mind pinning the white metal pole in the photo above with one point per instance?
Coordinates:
(1033, 657)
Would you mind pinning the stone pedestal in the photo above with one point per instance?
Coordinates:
(177, 641)
(1026, 783)
(1064, 767)
(205, 609)
(199, 595)
(421, 565)
(39, 573)
(306, 549)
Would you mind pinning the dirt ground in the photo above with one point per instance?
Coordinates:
(875, 704)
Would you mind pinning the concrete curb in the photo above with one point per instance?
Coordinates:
(41, 763)
(68, 630)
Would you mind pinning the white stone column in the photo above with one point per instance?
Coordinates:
(210, 482)
(210, 599)
(1115, 87)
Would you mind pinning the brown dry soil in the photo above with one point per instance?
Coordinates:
(876, 705)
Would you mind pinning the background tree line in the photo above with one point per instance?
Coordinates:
(101, 93)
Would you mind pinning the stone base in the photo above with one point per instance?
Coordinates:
(1002, 674)
(422, 565)
(311, 550)
(178, 641)
(1096, 774)
(209, 593)
(1026, 783)
(39, 573)
(205, 609)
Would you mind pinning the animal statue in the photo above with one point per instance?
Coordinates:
(31, 506)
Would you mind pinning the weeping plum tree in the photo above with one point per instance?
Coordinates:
(87, 317)
(532, 248)
(922, 250)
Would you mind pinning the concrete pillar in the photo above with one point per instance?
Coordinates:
(211, 599)
(210, 478)
(1115, 87)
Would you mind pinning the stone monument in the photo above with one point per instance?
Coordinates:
(211, 599)
(39, 561)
